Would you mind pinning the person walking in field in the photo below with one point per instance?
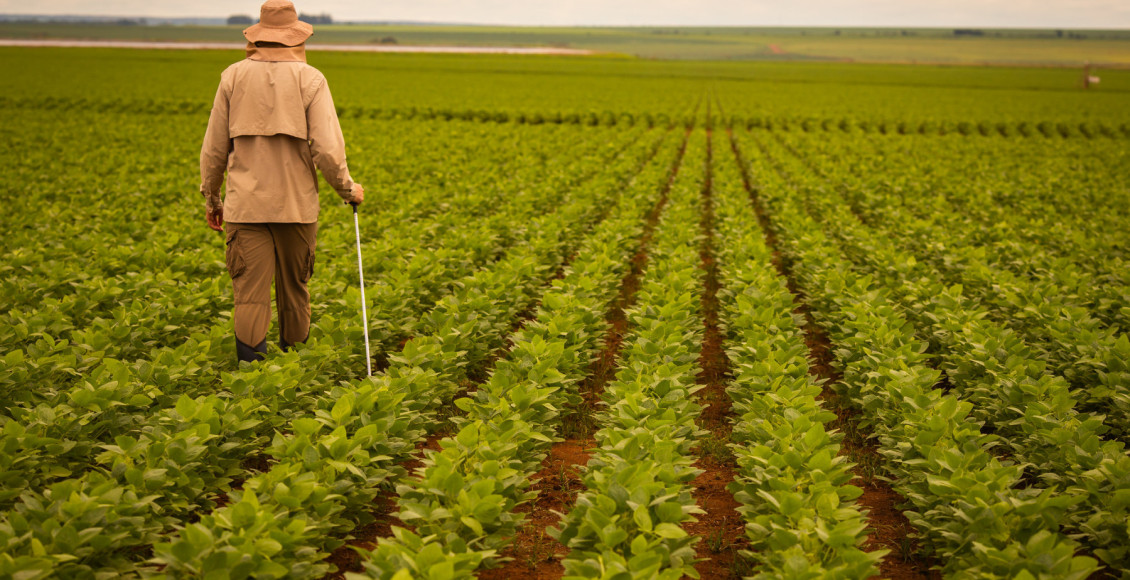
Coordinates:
(272, 123)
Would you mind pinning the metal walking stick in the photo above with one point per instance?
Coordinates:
(361, 274)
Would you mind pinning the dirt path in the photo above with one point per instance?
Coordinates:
(150, 45)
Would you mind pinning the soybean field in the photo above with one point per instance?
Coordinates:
(630, 319)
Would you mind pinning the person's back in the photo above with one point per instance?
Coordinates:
(273, 124)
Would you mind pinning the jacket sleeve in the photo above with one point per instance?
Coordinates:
(327, 144)
(214, 152)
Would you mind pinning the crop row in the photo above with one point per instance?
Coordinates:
(626, 522)
(1064, 452)
(1001, 207)
(604, 118)
(481, 316)
(1043, 310)
(180, 455)
(108, 307)
(117, 272)
(58, 436)
(621, 118)
(461, 502)
(134, 298)
(1034, 129)
(977, 513)
(794, 487)
(1044, 129)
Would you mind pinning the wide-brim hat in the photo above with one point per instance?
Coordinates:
(278, 22)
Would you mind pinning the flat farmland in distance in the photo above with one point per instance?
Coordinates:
(629, 316)
(1065, 48)
(576, 85)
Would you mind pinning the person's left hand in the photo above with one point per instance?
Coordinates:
(215, 219)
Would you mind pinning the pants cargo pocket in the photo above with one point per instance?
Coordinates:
(308, 271)
(233, 257)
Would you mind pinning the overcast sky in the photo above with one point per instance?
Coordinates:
(943, 13)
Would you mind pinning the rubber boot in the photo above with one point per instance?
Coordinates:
(248, 353)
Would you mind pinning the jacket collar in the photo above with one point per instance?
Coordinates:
(276, 53)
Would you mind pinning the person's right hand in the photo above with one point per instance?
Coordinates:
(358, 194)
(215, 218)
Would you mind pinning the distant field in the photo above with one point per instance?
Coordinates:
(936, 46)
(494, 83)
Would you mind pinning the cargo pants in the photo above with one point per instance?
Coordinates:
(256, 254)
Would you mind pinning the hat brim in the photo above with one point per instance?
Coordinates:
(291, 35)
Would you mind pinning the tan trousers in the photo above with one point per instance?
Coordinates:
(258, 253)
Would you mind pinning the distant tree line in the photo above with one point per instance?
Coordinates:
(894, 32)
(975, 32)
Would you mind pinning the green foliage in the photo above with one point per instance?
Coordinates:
(936, 444)
(1027, 395)
(462, 501)
(793, 485)
(627, 521)
(967, 255)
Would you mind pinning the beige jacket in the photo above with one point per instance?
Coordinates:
(273, 122)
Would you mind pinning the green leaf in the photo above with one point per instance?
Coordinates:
(342, 408)
(186, 408)
(642, 518)
(669, 531)
(472, 523)
(469, 435)
(306, 426)
(14, 358)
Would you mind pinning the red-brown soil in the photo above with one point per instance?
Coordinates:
(721, 527)
(534, 554)
(564, 457)
(890, 529)
(345, 558)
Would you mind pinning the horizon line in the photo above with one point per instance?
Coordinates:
(497, 25)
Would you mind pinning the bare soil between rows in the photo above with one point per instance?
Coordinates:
(721, 528)
(890, 529)
(534, 554)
